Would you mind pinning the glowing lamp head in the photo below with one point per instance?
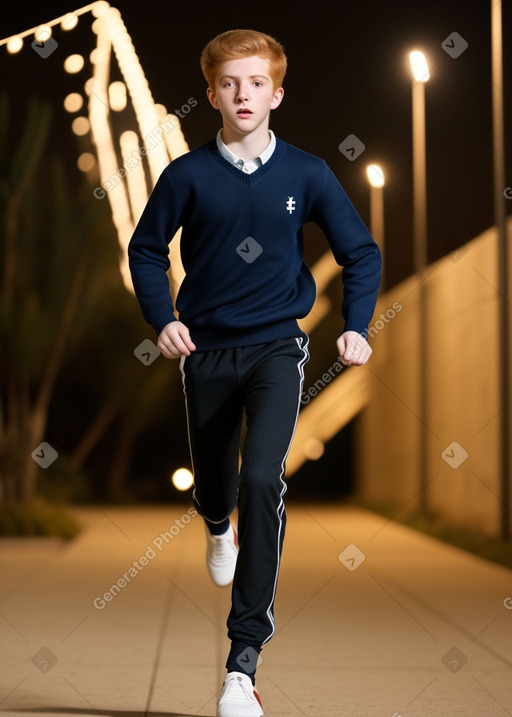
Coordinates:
(375, 175)
(419, 66)
(182, 479)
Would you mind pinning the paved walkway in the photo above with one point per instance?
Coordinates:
(415, 629)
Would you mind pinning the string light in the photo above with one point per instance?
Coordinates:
(57, 21)
(81, 126)
(14, 44)
(152, 148)
(117, 96)
(99, 8)
(86, 162)
(69, 21)
(73, 64)
(129, 143)
(73, 102)
(43, 33)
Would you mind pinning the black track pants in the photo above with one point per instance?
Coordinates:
(265, 380)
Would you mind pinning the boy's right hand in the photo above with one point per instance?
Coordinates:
(174, 340)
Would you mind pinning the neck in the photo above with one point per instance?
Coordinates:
(246, 146)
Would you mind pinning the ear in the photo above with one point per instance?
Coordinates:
(277, 98)
(212, 97)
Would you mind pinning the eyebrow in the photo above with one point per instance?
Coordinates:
(252, 77)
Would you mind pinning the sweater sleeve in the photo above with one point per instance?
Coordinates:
(353, 249)
(148, 253)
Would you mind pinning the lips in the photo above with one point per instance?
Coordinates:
(244, 112)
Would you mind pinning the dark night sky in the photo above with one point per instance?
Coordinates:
(348, 73)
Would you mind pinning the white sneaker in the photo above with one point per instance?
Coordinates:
(239, 697)
(221, 555)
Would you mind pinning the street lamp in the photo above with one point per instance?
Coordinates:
(421, 75)
(376, 179)
(504, 266)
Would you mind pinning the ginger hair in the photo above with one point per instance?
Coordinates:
(235, 44)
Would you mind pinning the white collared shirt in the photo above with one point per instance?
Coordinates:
(249, 165)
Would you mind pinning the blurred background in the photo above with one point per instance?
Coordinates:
(91, 414)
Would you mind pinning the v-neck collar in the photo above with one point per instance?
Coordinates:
(236, 173)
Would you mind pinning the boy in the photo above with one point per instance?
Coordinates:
(241, 200)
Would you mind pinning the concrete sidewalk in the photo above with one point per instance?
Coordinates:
(372, 619)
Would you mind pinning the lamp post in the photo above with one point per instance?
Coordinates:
(504, 267)
(421, 75)
(376, 179)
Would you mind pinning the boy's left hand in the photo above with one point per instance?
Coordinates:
(353, 349)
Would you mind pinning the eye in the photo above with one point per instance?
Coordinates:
(258, 83)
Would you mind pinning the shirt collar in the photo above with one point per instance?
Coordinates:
(250, 164)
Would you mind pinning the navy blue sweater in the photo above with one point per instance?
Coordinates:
(242, 247)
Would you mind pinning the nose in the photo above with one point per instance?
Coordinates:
(243, 92)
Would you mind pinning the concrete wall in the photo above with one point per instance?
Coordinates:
(464, 398)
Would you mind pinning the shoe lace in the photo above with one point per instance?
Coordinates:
(223, 552)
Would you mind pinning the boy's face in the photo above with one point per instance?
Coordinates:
(244, 94)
